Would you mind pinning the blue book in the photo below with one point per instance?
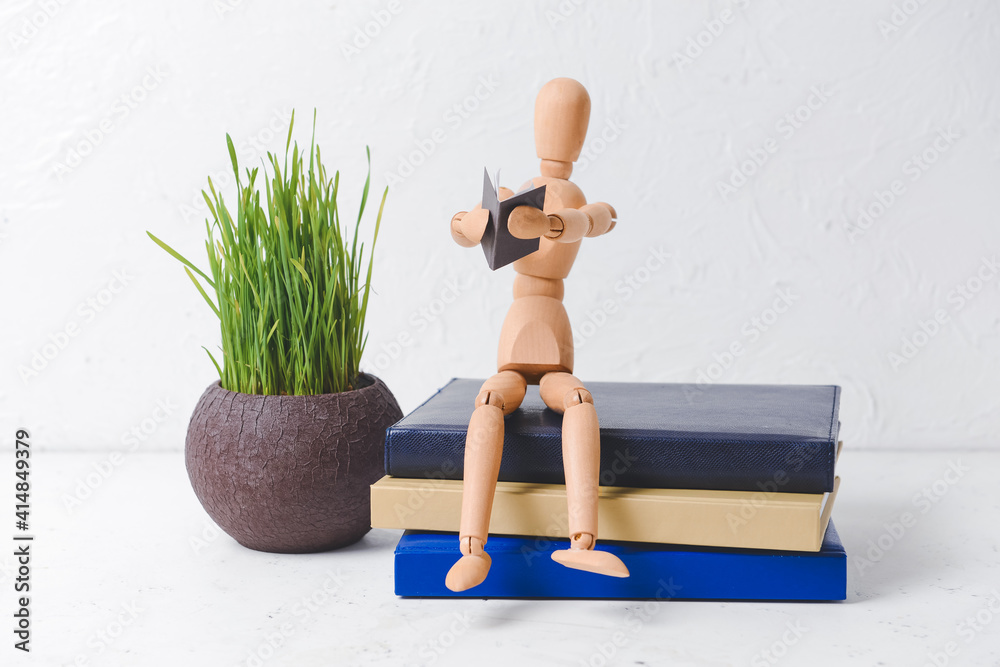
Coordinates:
(768, 438)
(523, 568)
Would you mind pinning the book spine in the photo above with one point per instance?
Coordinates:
(781, 467)
(716, 519)
(523, 568)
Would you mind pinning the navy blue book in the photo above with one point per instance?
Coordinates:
(773, 438)
(523, 568)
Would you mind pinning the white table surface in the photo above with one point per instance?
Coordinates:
(138, 575)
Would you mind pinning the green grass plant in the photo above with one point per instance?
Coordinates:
(289, 288)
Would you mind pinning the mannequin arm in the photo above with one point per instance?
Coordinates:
(566, 225)
(603, 218)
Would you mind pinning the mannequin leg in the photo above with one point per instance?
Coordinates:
(498, 397)
(581, 448)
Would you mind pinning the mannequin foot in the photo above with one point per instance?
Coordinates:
(471, 569)
(580, 556)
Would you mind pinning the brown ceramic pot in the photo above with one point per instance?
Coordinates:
(290, 474)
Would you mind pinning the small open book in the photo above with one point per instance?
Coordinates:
(499, 245)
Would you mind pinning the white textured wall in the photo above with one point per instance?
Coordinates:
(156, 85)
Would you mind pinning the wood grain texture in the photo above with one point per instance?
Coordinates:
(536, 335)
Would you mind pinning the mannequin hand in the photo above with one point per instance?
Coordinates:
(467, 228)
(528, 222)
(602, 216)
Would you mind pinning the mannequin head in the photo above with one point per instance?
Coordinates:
(562, 113)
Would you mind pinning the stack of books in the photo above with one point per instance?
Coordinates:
(707, 492)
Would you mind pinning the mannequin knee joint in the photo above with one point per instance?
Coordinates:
(576, 397)
(490, 397)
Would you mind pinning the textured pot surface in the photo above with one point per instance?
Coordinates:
(290, 474)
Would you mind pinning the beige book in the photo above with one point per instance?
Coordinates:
(739, 519)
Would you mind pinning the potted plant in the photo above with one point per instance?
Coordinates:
(282, 449)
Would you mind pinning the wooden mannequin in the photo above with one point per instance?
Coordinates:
(536, 344)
